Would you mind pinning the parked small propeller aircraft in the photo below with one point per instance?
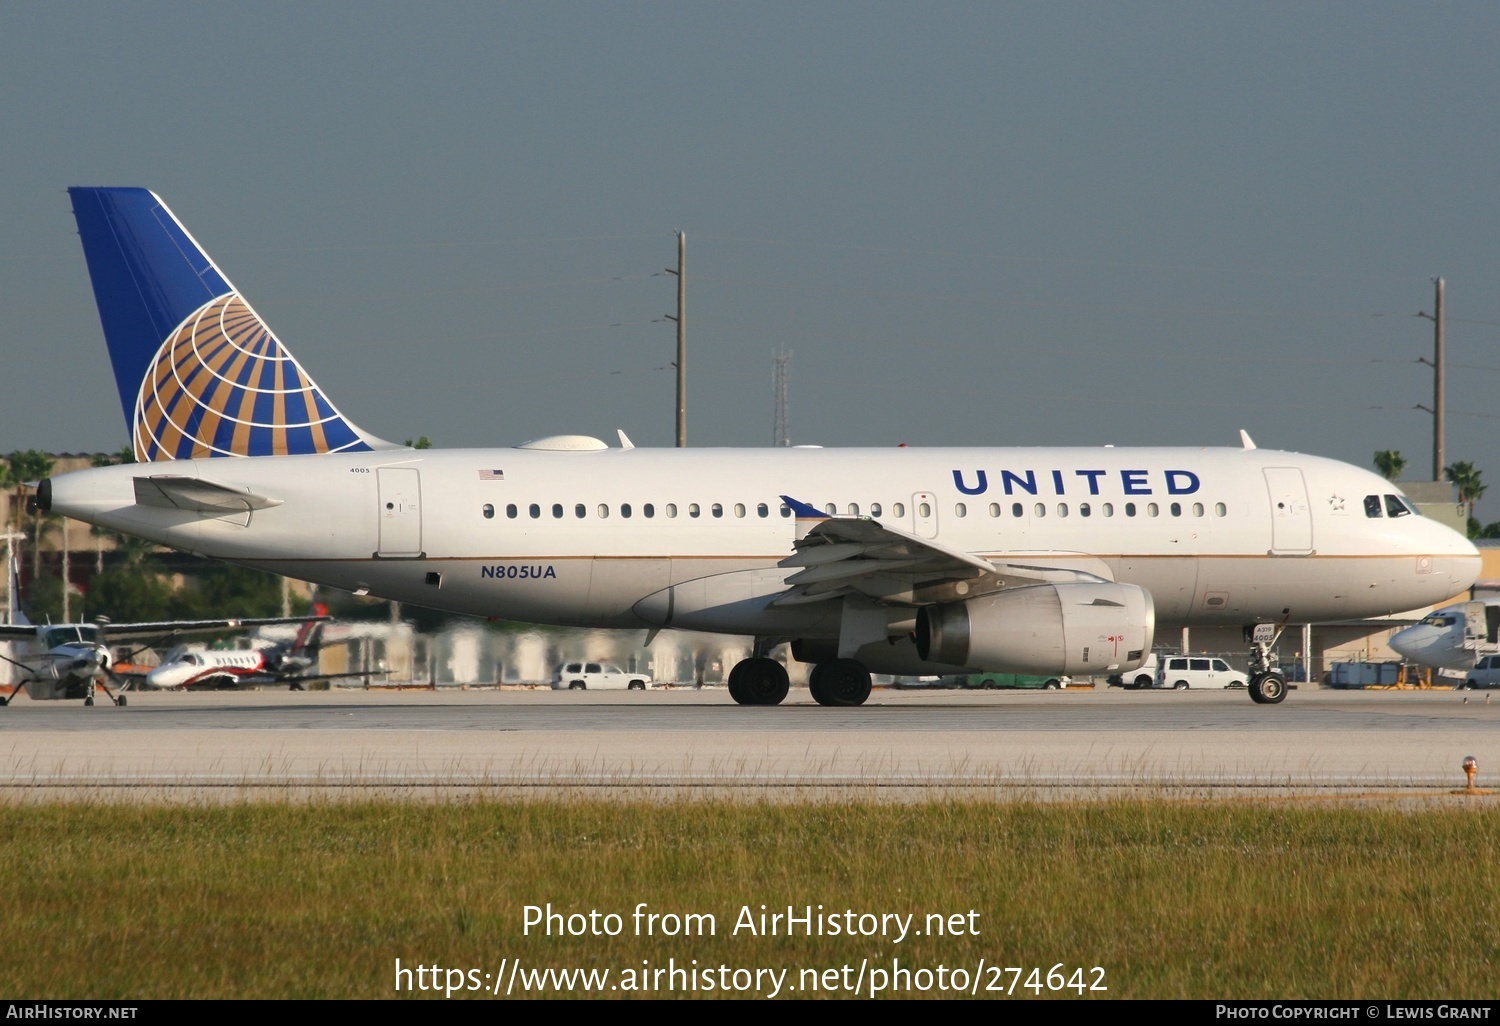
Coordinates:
(70, 660)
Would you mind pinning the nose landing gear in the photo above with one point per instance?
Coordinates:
(1267, 682)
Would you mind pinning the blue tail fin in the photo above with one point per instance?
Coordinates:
(199, 373)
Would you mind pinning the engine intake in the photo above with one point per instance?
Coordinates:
(1045, 628)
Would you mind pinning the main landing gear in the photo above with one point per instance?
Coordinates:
(760, 680)
(1267, 682)
(840, 682)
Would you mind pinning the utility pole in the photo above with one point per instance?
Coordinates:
(681, 320)
(67, 573)
(12, 600)
(781, 431)
(1439, 455)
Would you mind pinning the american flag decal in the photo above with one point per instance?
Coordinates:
(492, 475)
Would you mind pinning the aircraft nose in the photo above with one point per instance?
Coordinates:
(1412, 641)
(1463, 569)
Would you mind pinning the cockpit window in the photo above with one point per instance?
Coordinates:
(71, 635)
(1372, 505)
(1395, 506)
(1440, 620)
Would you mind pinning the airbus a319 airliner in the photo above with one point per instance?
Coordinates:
(898, 560)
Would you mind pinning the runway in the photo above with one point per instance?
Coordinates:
(900, 745)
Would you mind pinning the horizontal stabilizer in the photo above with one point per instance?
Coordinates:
(190, 493)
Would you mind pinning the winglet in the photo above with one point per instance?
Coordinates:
(808, 518)
(802, 511)
(1245, 442)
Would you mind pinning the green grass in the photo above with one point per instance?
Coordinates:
(1172, 899)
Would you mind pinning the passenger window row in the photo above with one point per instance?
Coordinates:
(1104, 509)
(625, 510)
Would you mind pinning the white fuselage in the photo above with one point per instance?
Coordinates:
(65, 654)
(1452, 638)
(648, 538)
(189, 665)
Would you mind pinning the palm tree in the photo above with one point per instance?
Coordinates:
(1390, 463)
(22, 466)
(1463, 474)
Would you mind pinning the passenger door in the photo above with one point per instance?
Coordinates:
(400, 513)
(1291, 515)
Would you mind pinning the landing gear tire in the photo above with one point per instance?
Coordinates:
(758, 682)
(840, 682)
(89, 700)
(4, 702)
(120, 700)
(1267, 688)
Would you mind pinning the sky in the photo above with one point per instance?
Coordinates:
(969, 224)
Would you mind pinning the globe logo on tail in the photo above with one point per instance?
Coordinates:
(223, 385)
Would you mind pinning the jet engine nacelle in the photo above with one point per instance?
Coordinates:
(1078, 629)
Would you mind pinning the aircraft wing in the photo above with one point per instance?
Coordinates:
(858, 555)
(17, 631)
(173, 628)
(303, 678)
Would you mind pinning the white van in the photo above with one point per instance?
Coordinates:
(1180, 672)
(1485, 674)
(1140, 678)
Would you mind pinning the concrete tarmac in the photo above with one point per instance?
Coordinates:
(901, 745)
